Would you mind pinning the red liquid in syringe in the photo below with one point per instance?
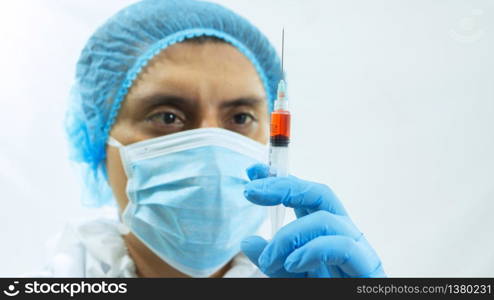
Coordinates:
(280, 128)
(280, 119)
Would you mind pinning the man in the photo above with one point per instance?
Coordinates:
(170, 116)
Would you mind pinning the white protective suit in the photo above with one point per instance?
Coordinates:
(95, 248)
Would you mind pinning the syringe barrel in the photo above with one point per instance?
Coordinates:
(280, 128)
(278, 161)
(277, 218)
(278, 167)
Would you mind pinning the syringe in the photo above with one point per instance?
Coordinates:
(279, 140)
(278, 152)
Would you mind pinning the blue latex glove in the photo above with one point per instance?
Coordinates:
(322, 242)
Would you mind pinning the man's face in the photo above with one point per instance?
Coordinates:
(189, 85)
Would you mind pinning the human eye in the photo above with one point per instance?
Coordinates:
(242, 122)
(166, 121)
(242, 118)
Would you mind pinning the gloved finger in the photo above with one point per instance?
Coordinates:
(301, 231)
(252, 247)
(293, 192)
(353, 258)
(258, 171)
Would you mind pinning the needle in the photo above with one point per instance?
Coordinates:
(282, 51)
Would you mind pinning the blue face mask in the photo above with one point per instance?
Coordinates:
(186, 199)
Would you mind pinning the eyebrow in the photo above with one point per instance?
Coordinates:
(247, 101)
(155, 100)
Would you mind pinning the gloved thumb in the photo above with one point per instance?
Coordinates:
(258, 171)
(252, 247)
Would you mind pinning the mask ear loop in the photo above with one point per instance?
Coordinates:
(122, 226)
(123, 156)
(113, 142)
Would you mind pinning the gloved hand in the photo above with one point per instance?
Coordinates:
(322, 242)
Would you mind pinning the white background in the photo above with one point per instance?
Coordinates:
(393, 105)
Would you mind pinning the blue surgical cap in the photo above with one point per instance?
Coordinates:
(116, 53)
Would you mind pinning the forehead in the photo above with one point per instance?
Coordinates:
(197, 70)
